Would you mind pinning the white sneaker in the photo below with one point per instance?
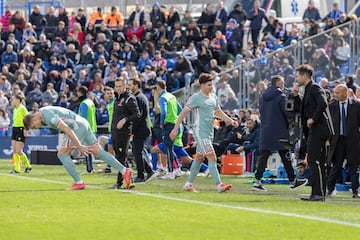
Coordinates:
(169, 175)
(178, 173)
(189, 187)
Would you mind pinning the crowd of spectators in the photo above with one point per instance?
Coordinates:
(52, 54)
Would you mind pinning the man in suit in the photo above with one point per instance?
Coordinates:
(345, 144)
(317, 127)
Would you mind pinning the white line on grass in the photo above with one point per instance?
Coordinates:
(250, 209)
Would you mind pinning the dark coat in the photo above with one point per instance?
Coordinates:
(314, 106)
(352, 130)
(141, 126)
(274, 119)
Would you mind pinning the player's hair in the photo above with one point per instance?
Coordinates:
(205, 77)
(305, 69)
(136, 82)
(27, 121)
(83, 90)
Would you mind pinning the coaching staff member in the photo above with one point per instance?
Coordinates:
(317, 127)
(345, 144)
(126, 111)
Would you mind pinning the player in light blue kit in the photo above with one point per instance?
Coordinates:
(205, 106)
(78, 136)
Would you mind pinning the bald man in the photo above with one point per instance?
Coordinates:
(345, 144)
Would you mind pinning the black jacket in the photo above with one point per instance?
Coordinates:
(141, 126)
(352, 131)
(314, 105)
(125, 106)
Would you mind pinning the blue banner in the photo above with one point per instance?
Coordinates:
(31, 143)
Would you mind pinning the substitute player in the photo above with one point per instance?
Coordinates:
(78, 135)
(205, 106)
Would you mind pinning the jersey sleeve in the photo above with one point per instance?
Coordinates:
(192, 102)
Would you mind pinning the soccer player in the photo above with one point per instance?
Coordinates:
(205, 106)
(179, 151)
(78, 135)
(19, 134)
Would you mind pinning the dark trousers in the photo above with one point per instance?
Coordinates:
(138, 146)
(337, 163)
(169, 144)
(255, 36)
(263, 159)
(316, 159)
(120, 140)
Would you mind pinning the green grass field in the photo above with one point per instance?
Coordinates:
(38, 206)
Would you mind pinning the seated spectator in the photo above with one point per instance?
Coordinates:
(63, 81)
(63, 101)
(311, 12)
(232, 103)
(173, 17)
(58, 47)
(158, 61)
(21, 82)
(234, 36)
(4, 101)
(103, 29)
(321, 64)
(42, 48)
(342, 52)
(96, 18)
(13, 35)
(343, 19)
(53, 65)
(156, 15)
(192, 33)
(28, 32)
(163, 44)
(187, 18)
(98, 90)
(5, 86)
(61, 31)
(50, 96)
(34, 81)
(70, 39)
(136, 30)
(183, 72)
(138, 13)
(128, 54)
(78, 33)
(101, 51)
(100, 66)
(35, 95)
(143, 61)
(178, 42)
(83, 79)
(86, 60)
(9, 56)
(251, 139)
(204, 58)
(101, 40)
(4, 122)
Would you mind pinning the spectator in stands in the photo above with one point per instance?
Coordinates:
(234, 36)
(9, 75)
(102, 114)
(63, 17)
(136, 29)
(128, 54)
(71, 40)
(101, 51)
(143, 61)
(342, 53)
(114, 18)
(349, 81)
(34, 80)
(86, 60)
(207, 17)
(183, 72)
(61, 31)
(190, 53)
(311, 12)
(97, 18)
(138, 15)
(334, 13)
(173, 17)
(343, 19)
(321, 63)
(5, 18)
(63, 101)
(35, 95)
(58, 47)
(18, 21)
(51, 23)
(158, 61)
(329, 23)
(50, 96)
(81, 18)
(178, 42)
(78, 33)
(4, 100)
(14, 41)
(192, 33)
(5, 86)
(156, 15)
(27, 33)
(4, 122)
(232, 103)
(256, 16)
(218, 47)
(186, 19)
(288, 72)
(314, 28)
(9, 56)
(37, 20)
(42, 48)
(204, 58)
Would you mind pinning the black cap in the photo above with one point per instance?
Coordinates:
(99, 9)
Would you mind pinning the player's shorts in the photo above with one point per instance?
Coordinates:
(83, 132)
(179, 151)
(204, 145)
(18, 134)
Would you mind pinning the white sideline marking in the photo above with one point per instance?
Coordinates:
(250, 209)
